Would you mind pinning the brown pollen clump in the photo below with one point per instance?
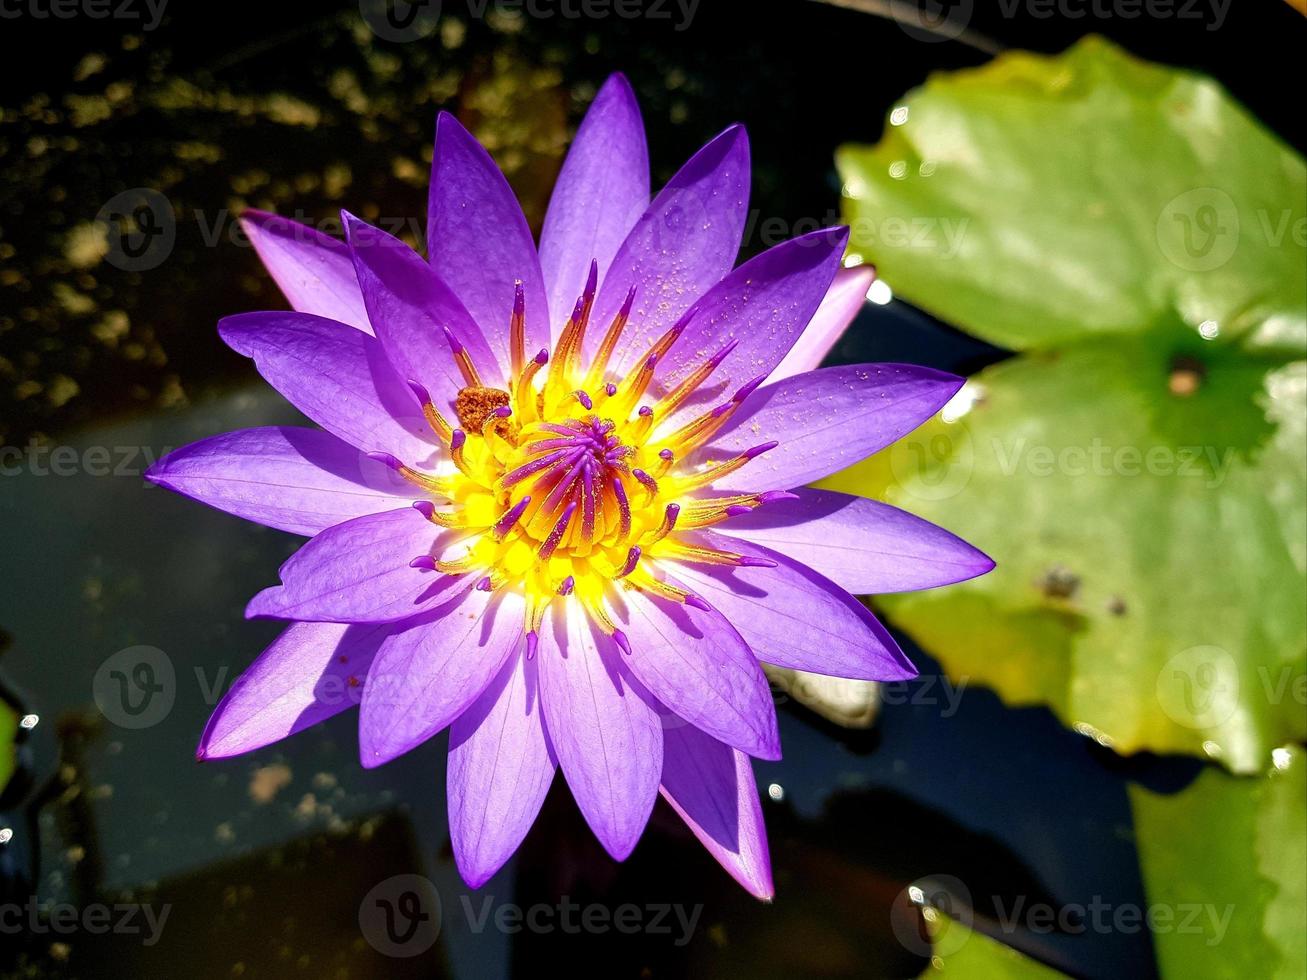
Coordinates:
(475, 405)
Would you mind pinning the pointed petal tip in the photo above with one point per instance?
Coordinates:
(473, 877)
(617, 80)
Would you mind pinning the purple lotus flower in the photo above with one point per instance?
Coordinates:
(557, 502)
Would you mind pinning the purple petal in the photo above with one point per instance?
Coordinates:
(763, 306)
(478, 240)
(358, 572)
(861, 545)
(679, 248)
(693, 661)
(601, 191)
(337, 376)
(604, 727)
(846, 297)
(313, 270)
(309, 673)
(829, 419)
(297, 480)
(712, 787)
(792, 616)
(500, 767)
(410, 306)
(427, 674)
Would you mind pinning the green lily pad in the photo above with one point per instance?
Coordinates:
(8, 735)
(960, 952)
(1139, 474)
(1227, 859)
(1037, 200)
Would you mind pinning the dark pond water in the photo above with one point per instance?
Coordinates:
(263, 861)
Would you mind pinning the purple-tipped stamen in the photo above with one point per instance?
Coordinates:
(556, 535)
(757, 451)
(511, 517)
(419, 392)
(455, 345)
(646, 481)
(385, 459)
(632, 559)
(749, 388)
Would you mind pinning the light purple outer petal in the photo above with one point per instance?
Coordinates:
(309, 673)
(693, 661)
(861, 545)
(409, 304)
(605, 728)
(358, 572)
(827, 420)
(763, 306)
(478, 240)
(711, 786)
(601, 191)
(500, 768)
(427, 674)
(847, 295)
(792, 616)
(297, 480)
(681, 246)
(313, 270)
(337, 376)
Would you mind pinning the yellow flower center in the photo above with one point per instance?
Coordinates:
(565, 485)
